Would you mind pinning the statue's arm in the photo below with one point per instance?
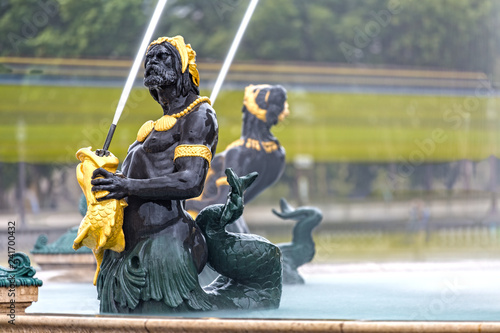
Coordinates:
(187, 180)
(234, 159)
(218, 197)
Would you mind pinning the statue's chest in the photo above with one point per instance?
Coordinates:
(153, 157)
(160, 141)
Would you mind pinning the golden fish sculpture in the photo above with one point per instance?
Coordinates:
(101, 227)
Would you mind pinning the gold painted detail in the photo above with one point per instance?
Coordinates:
(167, 121)
(252, 144)
(237, 143)
(188, 55)
(101, 227)
(193, 151)
(285, 113)
(251, 93)
(145, 129)
(221, 181)
(269, 146)
(267, 96)
(193, 214)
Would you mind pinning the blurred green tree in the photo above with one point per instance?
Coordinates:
(449, 34)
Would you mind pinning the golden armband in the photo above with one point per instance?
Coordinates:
(193, 150)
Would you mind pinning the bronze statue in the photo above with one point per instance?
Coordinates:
(257, 150)
(165, 249)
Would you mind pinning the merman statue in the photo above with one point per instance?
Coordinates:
(257, 150)
(165, 250)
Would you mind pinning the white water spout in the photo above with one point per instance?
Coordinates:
(138, 59)
(133, 71)
(232, 50)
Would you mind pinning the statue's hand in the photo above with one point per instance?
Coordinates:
(102, 152)
(115, 184)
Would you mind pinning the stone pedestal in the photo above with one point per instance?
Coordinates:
(15, 300)
(18, 287)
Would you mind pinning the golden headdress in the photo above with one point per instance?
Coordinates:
(250, 100)
(188, 55)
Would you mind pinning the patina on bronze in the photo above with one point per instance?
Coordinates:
(165, 249)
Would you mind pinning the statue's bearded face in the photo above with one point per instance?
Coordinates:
(159, 68)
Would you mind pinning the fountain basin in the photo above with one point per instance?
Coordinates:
(458, 291)
(69, 324)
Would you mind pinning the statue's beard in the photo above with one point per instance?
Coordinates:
(158, 77)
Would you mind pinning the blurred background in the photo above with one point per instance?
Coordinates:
(392, 133)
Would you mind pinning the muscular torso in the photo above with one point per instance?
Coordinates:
(152, 162)
(154, 157)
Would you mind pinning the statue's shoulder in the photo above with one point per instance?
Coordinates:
(207, 109)
(200, 124)
(204, 115)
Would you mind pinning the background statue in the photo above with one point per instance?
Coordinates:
(257, 150)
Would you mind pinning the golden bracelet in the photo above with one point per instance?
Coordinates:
(193, 150)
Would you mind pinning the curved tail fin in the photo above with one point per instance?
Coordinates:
(239, 184)
(302, 248)
(234, 204)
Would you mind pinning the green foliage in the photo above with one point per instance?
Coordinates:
(69, 28)
(453, 34)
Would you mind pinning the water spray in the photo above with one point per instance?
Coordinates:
(142, 50)
(232, 50)
(133, 71)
